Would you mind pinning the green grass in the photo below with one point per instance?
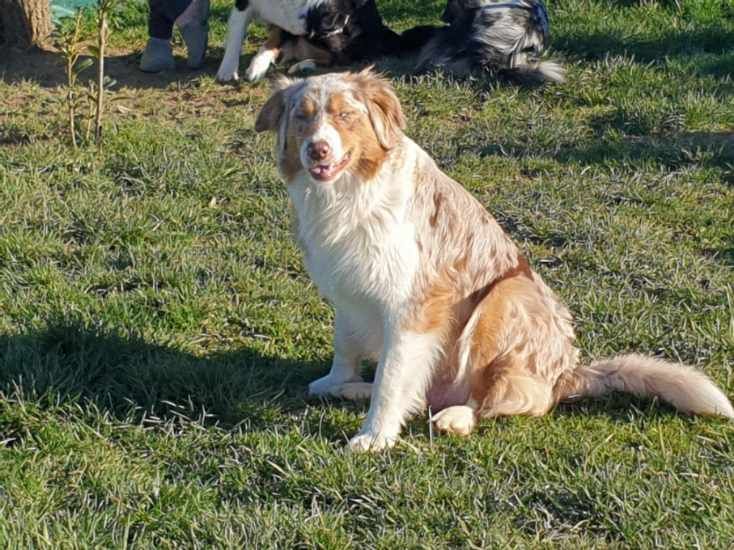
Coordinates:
(158, 330)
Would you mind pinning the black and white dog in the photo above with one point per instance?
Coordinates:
(497, 36)
(318, 32)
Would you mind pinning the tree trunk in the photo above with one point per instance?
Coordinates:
(24, 22)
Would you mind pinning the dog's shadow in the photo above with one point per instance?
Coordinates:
(133, 380)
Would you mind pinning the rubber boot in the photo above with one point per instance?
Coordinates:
(194, 27)
(157, 56)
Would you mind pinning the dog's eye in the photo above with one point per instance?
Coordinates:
(345, 115)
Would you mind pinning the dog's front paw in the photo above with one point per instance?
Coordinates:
(354, 391)
(258, 67)
(334, 387)
(227, 74)
(323, 386)
(307, 65)
(370, 442)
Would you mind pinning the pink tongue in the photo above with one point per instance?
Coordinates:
(321, 170)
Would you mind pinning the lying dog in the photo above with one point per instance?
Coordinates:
(497, 36)
(425, 281)
(352, 30)
(320, 32)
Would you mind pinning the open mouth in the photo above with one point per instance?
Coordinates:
(326, 171)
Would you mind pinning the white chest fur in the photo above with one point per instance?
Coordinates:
(359, 244)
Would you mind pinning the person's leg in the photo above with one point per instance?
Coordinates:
(194, 26)
(162, 15)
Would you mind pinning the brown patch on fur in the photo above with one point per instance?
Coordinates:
(274, 40)
(461, 263)
(503, 389)
(437, 200)
(435, 312)
(302, 49)
(568, 388)
(307, 108)
(496, 299)
(358, 136)
(507, 380)
(383, 106)
(522, 268)
(441, 307)
(484, 379)
(486, 348)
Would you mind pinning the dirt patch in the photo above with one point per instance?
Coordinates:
(170, 95)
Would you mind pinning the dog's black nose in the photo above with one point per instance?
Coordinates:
(318, 150)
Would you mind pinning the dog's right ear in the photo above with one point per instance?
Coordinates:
(383, 106)
(271, 113)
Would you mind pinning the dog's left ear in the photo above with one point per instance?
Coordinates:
(383, 106)
(270, 114)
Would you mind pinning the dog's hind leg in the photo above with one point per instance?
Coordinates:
(503, 392)
(459, 419)
(239, 19)
(513, 348)
(511, 393)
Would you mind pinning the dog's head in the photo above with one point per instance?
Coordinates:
(333, 124)
(333, 23)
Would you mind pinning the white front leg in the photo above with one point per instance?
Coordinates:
(402, 377)
(344, 379)
(260, 64)
(236, 30)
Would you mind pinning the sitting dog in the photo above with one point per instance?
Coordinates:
(425, 281)
(504, 37)
(317, 32)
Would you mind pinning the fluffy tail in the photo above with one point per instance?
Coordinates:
(537, 72)
(686, 388)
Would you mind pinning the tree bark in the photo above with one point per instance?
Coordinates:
(24, 22)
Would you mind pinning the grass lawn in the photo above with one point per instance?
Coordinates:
(158, 330)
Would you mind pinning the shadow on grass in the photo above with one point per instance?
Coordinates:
(46, 68)
(134, 380)
(131, 378)
(675, 43)
(675, 151)
(707, 149)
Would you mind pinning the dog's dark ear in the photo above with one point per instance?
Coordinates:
(383, 107)
(269, 116)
